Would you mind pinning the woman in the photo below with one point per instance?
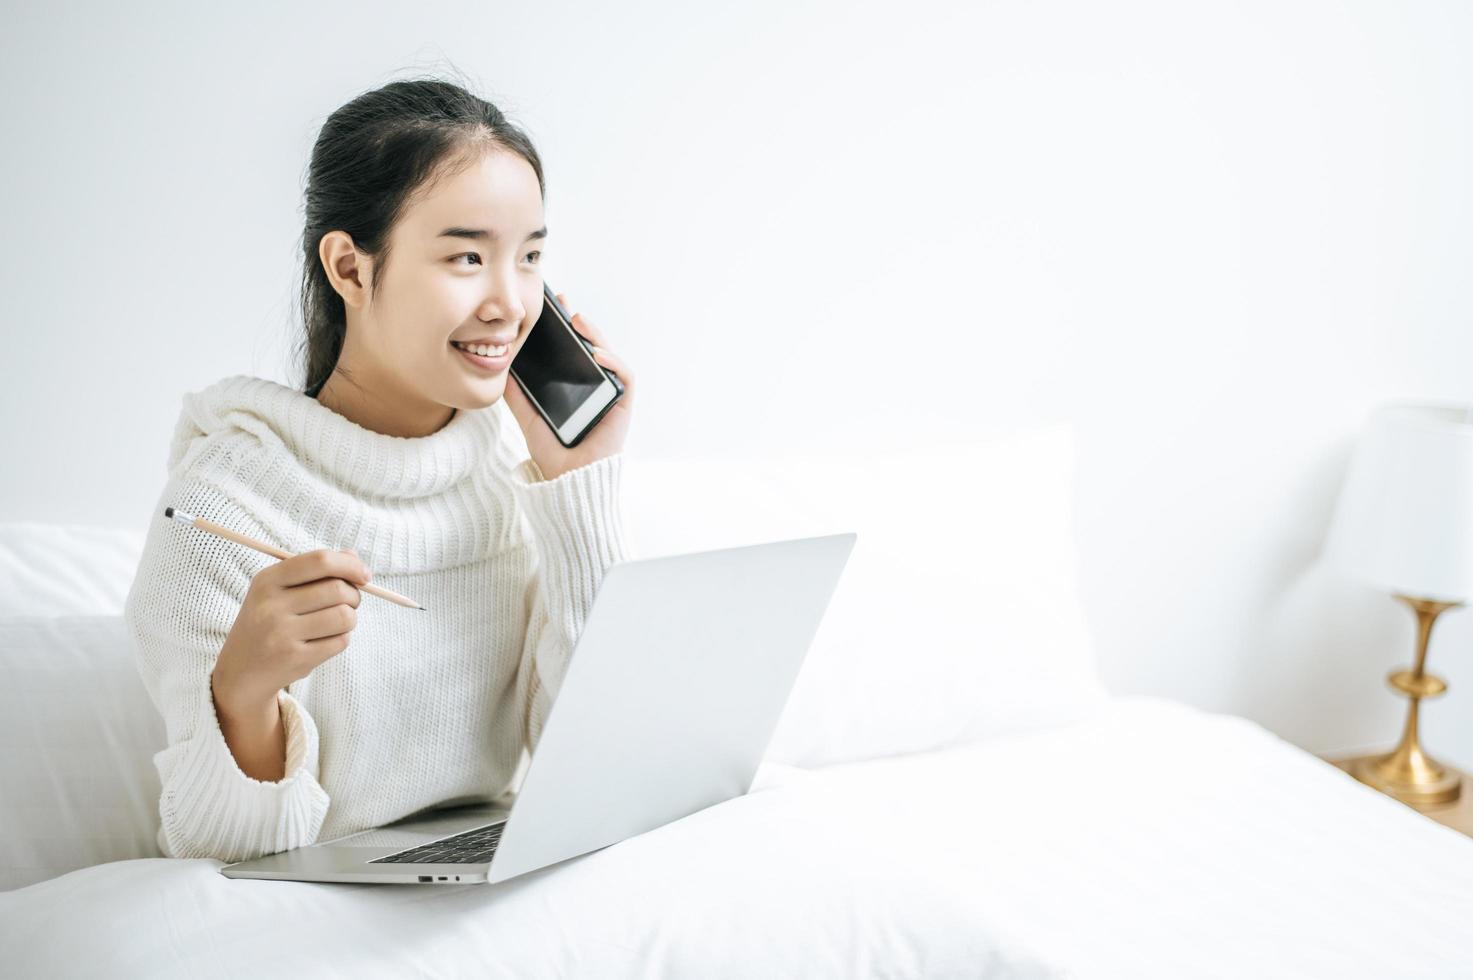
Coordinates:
(403, 455)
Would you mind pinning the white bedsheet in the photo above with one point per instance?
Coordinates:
(1152, 840)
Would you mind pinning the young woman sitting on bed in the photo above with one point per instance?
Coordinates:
(424, 228)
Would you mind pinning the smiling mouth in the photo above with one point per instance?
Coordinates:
(490, 349)
(495, 363)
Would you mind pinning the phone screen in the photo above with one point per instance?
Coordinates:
(555, 367)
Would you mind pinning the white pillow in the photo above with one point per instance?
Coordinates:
(957, 617)
(77, 782)
(55, 569)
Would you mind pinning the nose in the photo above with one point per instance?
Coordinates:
(502, 302)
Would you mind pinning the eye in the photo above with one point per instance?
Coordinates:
(538, 254)
(464, 254)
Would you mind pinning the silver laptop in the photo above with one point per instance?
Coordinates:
(669, 702)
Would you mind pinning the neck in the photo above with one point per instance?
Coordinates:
(382, 410)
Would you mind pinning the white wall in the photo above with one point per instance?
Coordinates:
(1214, 235)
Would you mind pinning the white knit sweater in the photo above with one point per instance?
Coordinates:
(423, 707)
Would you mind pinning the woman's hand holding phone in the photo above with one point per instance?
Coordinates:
(605, 439)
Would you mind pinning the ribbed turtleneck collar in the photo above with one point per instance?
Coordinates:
(363, 462)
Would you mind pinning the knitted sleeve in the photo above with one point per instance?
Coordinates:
(189, 586)
(578, 532)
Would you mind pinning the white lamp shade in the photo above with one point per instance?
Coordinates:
(1403, 522)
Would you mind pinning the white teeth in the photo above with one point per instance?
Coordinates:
(483, 350)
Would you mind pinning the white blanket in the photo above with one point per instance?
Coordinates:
(1152, 840)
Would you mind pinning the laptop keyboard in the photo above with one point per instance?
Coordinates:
(474, 846)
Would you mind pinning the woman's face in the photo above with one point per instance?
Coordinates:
(463, 265)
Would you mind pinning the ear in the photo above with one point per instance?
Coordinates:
(349, 270)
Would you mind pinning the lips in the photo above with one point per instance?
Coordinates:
(492, 364)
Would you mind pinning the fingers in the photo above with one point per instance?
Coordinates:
(317, 651)
(601, 353)
(323, 563)
(589, 330)
(322, 594)
(332, 621)
(616, 365)
(581, 324)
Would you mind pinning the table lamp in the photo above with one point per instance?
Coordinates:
(1403, 523)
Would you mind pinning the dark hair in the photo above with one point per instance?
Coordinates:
(372, 156)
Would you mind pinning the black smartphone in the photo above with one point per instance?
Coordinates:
(556, 369)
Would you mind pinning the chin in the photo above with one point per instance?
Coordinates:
(491, 391)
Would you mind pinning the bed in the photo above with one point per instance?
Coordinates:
(950, 792)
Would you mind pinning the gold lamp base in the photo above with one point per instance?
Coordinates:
(1407, 772)
(1415, 780)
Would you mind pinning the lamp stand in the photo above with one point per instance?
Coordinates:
(1407, 773)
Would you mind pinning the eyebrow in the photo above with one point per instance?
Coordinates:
(481, 234)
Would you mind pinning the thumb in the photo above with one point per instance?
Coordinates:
(516, 400)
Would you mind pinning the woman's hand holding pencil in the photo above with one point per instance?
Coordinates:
(297, 613)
